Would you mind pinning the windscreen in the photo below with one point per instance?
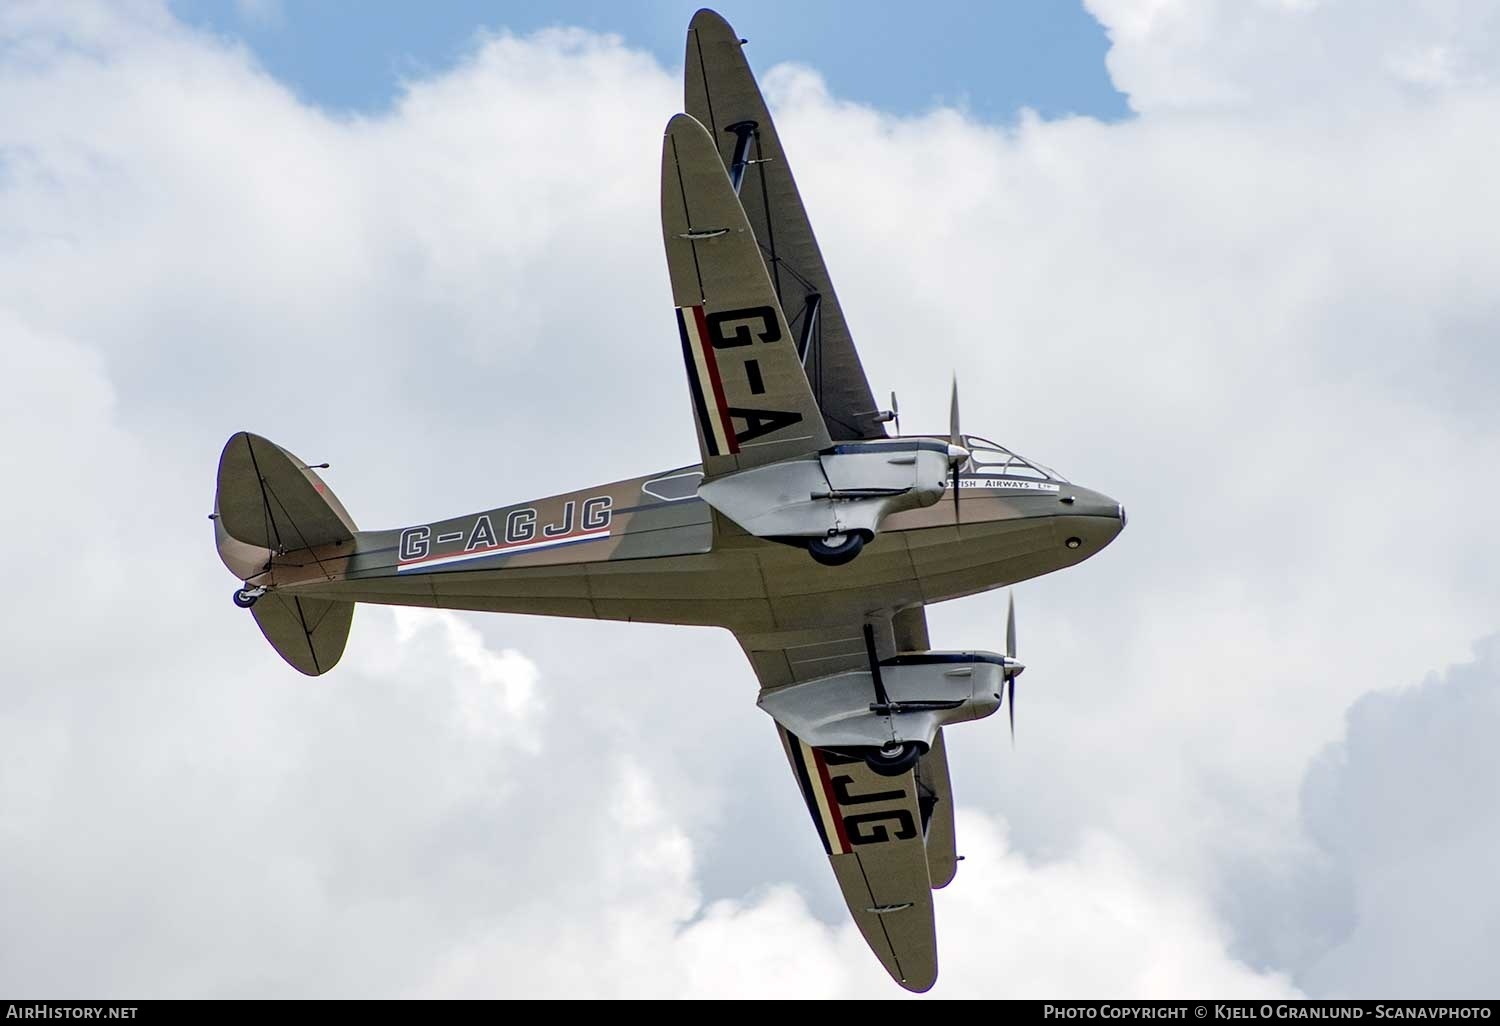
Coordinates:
(986, 457)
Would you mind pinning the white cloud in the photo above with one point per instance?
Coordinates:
(493, 695)
(1114, 934)
(1405, 809)
(1262, 325)
(1357, 57)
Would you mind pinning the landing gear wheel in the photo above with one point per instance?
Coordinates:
(894, 759)
(245, 598)
(838, 550)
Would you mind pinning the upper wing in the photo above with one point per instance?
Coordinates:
(750, 395)
(888, 839)
(721, 93)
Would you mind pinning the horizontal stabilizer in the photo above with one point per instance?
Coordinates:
(270, 499)
(308, 633)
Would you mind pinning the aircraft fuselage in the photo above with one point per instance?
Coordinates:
(648, 549)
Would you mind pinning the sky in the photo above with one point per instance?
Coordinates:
(991, 59)
(1254, 299)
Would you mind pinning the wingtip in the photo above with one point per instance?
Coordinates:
(919, 986)
(680, 123)
(707, 17)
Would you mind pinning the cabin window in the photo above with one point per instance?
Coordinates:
(988, 457)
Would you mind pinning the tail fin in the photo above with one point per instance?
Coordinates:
(270, 503)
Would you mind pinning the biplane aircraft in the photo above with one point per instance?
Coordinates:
(806, 528)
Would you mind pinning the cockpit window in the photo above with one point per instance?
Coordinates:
(991, 458)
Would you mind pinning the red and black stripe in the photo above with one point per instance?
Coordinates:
(696, 387)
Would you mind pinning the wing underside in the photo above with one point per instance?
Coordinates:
(751, 398)
(722, 94)
(871, 829)
(889, 840)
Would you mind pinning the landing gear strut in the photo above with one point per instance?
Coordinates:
(895, 757)
(837, 549)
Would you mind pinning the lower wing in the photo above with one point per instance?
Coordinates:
(872, 828)
(889, 840)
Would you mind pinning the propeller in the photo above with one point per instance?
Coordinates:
(893, 414)
(957, 454)
(1013, 666)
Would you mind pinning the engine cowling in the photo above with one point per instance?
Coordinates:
(847, 490)
(926, 690)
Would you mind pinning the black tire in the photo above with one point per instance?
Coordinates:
(836, 555)
(893, 761)
(244, 599)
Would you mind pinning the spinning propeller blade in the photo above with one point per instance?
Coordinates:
(954, 438)
(1014, 666)
(1010, 628)
(888, 416)
(955, 441)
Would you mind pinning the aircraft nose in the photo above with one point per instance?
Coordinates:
(1088, 503)
(1096, 518)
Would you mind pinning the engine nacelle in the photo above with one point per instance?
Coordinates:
(848, 489)
(926, 689)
